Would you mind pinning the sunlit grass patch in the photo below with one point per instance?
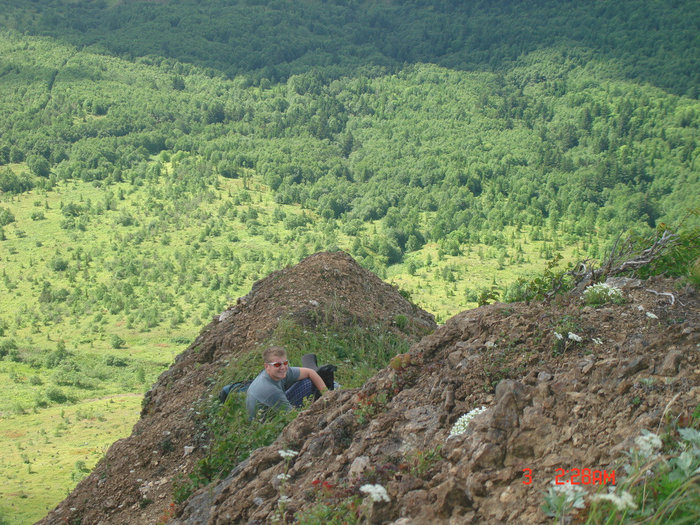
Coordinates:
(47, 453)
(448, 284)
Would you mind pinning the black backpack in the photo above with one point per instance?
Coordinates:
(240, 386)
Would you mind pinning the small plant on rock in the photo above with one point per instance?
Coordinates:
(167, 515)
(421, 461)
(334, 506)
(281, 512)
(368, 406)
(601, 293)
(561, 500)
(566, 335)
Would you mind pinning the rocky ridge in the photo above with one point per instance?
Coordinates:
(166, 441)
(576, 402)
(551, 401)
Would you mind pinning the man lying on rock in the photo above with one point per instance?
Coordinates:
(282, 386)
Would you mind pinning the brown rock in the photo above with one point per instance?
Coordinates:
(633, 366)
(489, 455)
(671, 363)
(454, 358)
(450, 495)
(413, 502)
(623, 387)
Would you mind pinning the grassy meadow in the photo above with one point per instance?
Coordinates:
(47, 453)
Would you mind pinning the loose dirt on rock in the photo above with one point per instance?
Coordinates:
(550, 403)
(564, 386)
(323, 288)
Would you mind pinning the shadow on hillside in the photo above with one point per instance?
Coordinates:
(653, 44)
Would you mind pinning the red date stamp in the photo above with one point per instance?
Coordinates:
(576, 476)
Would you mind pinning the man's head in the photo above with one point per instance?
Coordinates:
(276, 364)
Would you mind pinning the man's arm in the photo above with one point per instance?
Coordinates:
(315, 378)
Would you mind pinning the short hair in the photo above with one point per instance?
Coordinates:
(273, 351)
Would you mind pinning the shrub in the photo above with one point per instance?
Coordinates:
(57, 356)
(58, 264)
(6, 217)
(487, 295)
(602, 293)
(113, 360)
(81, 470)
(401, 321)
(69, 373)
(56, 395)
(117, 342)
(39, 165)
(6, 346)
(679, 258)
(40, 402)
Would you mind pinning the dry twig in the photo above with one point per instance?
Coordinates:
(627, 258)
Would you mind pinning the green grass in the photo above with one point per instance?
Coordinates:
(448, 284)
(42, 452)
(358, 352)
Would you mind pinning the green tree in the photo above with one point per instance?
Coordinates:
(39, 165)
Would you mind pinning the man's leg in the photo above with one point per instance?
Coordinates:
(298, 391)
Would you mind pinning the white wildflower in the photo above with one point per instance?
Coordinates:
(611, 293)
(623, 502)
(575, 337)
(597, 341)
(571, 494)
(285, 499)
(648, 443)
(288, 453)
(558, 336)
(461, 424)
(375, 492)
(651, 315)
(283, 477)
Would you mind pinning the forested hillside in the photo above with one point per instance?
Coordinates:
(649, 42)
(156, 158)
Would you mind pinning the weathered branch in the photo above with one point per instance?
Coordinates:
(627, 258)
(671, 297)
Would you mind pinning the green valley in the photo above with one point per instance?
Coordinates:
(157, 158)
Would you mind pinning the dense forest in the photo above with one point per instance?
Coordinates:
(530, 125)
(156, 158)
(649, 42)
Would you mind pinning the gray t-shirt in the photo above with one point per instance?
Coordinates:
(266, 392)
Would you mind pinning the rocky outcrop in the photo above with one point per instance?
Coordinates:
(562, 386)
(551, 402)
(168, 440)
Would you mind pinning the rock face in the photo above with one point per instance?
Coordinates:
(141, 467)
(563, 386)
(550, 403)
